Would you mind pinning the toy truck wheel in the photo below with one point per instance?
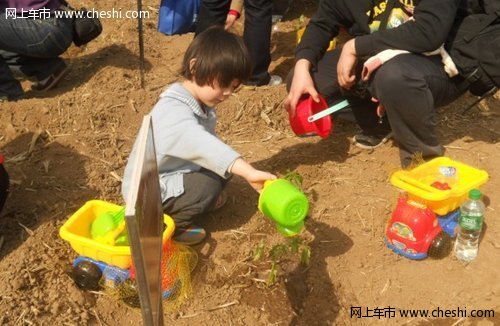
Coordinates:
(87, 275)
(440, 246)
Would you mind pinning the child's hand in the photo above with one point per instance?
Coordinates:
(254, 177)
(257, 178)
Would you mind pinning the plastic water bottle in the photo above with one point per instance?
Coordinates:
(470, 224)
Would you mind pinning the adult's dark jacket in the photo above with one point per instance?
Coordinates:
(433, 20)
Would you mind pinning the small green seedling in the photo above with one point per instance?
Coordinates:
(294, 248)
(294, 177)
(259, 251)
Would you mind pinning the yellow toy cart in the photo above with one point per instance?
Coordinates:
(76, 230)
(418, 181)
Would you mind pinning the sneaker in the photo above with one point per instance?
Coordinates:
(51, 81)
(364, 141)
(189, 235)
(275, 80)
(11, 98)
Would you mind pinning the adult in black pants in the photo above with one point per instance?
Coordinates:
(257, 33)
(32, 46)
(409, 87)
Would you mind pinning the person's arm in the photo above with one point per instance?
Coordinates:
(426, 32)
(346, 67)
(254, 177)
(302, 83)
(234, 13)
(322, 27)
(178, 133)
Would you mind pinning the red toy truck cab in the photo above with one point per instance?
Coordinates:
(415, 233)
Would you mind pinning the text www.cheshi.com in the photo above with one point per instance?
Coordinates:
(392, 312)
(44, 13)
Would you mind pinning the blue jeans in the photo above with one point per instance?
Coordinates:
(257, 31)
(31, 47)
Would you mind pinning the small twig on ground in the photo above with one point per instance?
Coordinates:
(97, 317)
(386, 286)
(21, 316)
(115, 176)
(100, 159)
(458, 321)
(116, 106)
(35, 137)
(242, 142)
(242, 106)
(241, 286)
(240, 232)
(29, 276)
(132, 105)
(189, 316)
(453, 147)
(38, 268)
(29, 231)
(47, 246)
(98, 292)
(361, 219)
(155, 10)
(225, 305)
(265, 117)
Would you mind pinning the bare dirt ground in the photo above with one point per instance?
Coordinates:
(71, 144)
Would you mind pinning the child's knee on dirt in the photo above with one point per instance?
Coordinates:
(201, 191)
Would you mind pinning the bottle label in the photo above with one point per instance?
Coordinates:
(471, 221)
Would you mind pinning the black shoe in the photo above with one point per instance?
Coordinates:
(11, 98)
(51, 81)
(364, 141)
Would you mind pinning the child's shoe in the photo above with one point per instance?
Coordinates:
(51, 81)
(189, 235)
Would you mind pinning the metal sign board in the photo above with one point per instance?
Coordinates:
(144, 217)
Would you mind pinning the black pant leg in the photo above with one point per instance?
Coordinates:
(257, 36)
(411, 86)
(212, 12)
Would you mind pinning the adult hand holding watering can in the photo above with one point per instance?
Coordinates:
(302, 84)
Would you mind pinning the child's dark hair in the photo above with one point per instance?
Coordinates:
(220, 56)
